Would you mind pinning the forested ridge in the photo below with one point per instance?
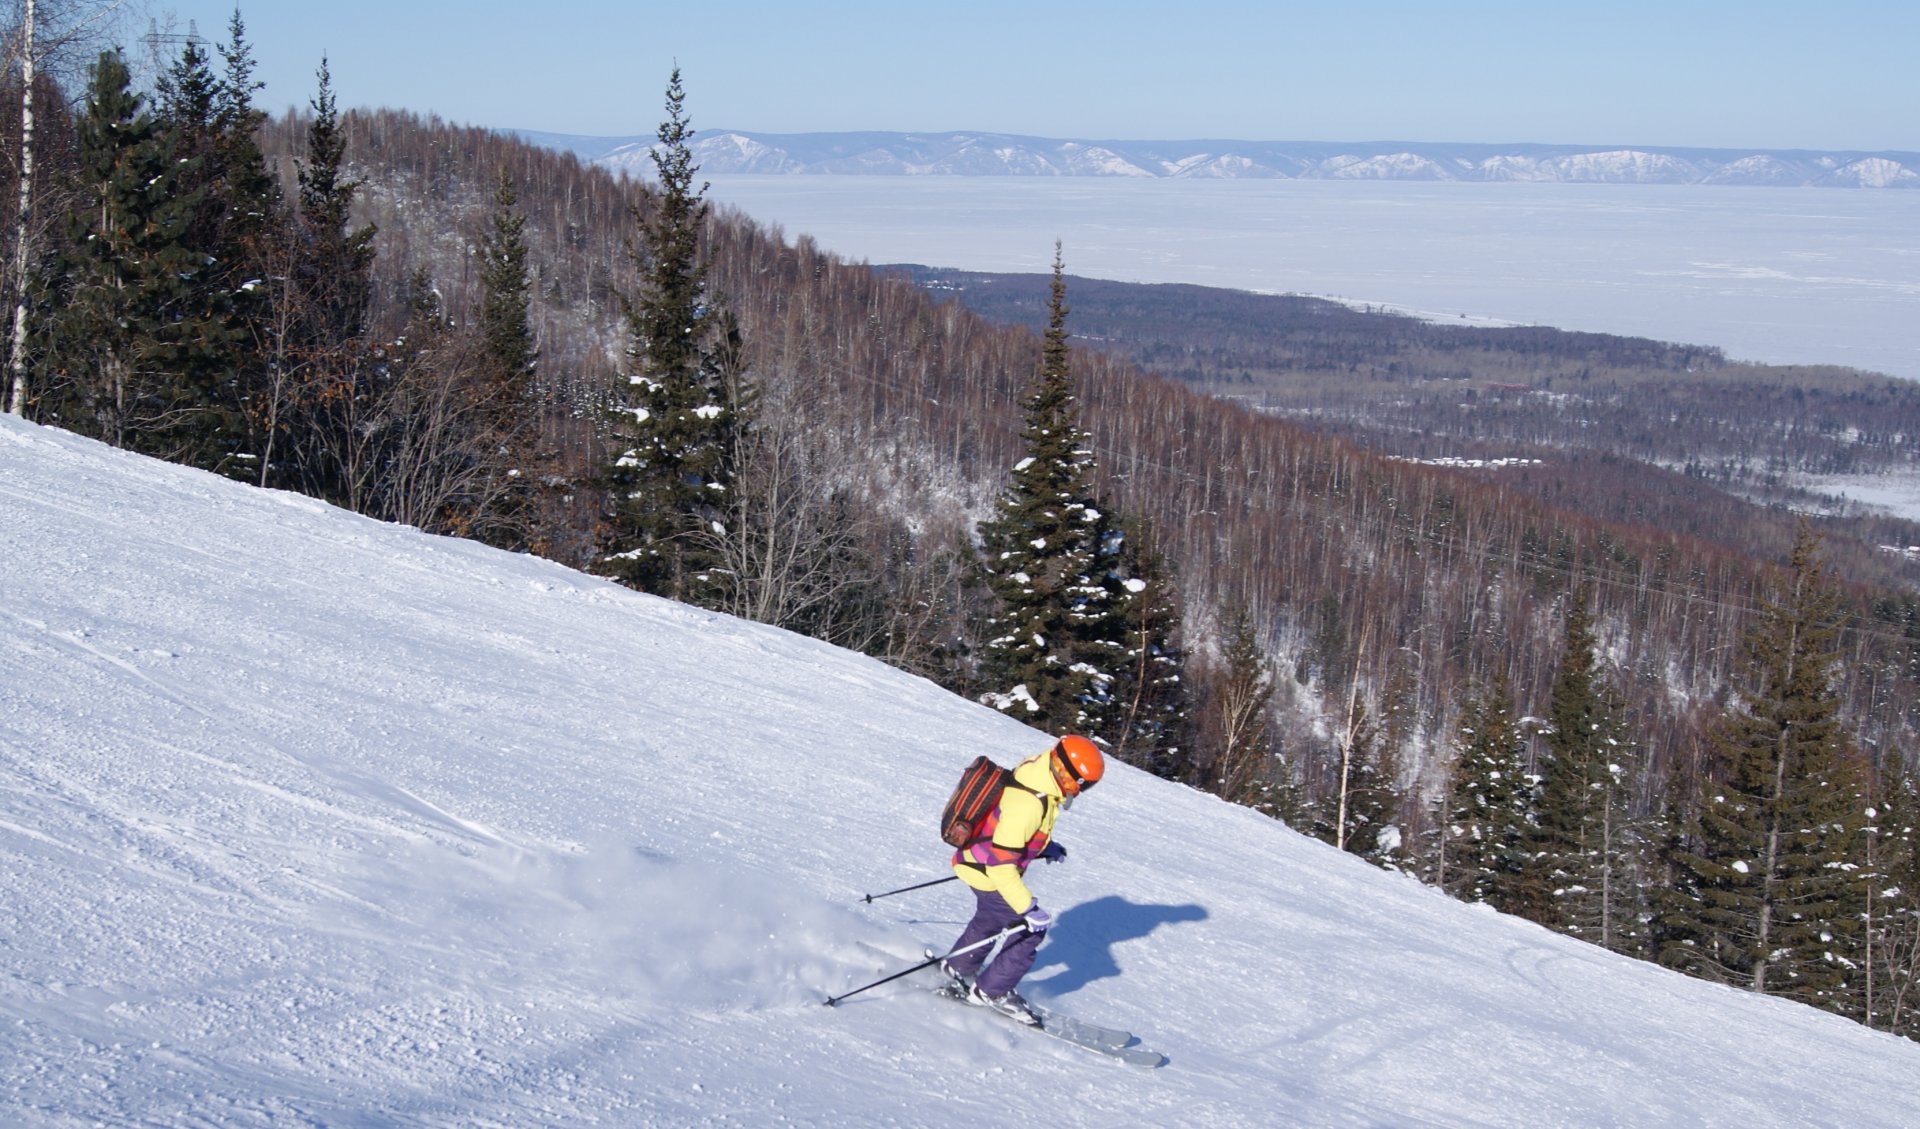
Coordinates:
(1377, 586)
(1339, 616)
(1675, 437)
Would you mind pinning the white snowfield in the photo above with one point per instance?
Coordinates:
(310, 820)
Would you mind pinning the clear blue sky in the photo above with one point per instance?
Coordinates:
(1817, 74)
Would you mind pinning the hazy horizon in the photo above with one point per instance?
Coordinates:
(1784, 276)
(1763, 74)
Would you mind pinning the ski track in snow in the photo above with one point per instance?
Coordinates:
(311, 820)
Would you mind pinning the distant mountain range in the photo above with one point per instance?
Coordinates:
(999, 154)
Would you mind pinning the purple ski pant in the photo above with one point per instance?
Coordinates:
(992, 915)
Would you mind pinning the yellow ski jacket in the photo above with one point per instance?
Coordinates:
(1013, 835)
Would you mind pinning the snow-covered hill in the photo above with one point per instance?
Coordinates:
(307, 819)
(997, 154)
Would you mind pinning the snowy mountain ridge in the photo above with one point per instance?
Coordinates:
(725, 152)
(310, 819)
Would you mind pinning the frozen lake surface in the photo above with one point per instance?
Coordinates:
(1786, 275)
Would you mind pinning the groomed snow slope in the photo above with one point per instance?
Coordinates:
(307, 819)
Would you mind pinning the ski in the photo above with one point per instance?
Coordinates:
(1109, 1041)
(1131, 1052)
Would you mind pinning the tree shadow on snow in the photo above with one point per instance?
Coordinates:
(1082, 939)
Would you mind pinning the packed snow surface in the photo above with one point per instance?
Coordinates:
(310, 820)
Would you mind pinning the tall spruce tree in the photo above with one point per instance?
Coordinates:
(508, 359)
(213, 125)
(185, 96)
(506, 332)
(675, 426)
(335, 272)
(1154, 721)
(1488, 825)
(252, 224)
(1051, 556)
(1587, 841)
(251, 244)
(313, 402)
(135, 334)
(1772, 882)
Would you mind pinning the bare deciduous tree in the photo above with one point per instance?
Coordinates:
(45, 39)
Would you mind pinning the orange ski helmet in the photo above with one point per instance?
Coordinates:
(1077, 764)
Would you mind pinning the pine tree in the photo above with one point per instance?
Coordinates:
(1488, 825)
(252, 245)
(1677, 891)
(186, 94)
(505, 295)
(1155, 723)
(1774, 878)
(234, 110)
(1587, 843)
(314, 400)
(335, 272)
(134, 335)
(254, 211)
(1052, 558)
(508, 357)
(675, 426)
(212, 124)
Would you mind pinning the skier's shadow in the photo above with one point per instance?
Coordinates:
(1082, 939)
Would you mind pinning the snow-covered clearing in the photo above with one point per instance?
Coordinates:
(1896, 493)
(310, 820)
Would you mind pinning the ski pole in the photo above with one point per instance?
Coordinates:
(904, 889)
(834, 1001)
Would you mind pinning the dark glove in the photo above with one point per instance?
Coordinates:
(1037, 919)
(1053, 852)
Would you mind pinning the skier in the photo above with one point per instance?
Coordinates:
(1018, 831)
